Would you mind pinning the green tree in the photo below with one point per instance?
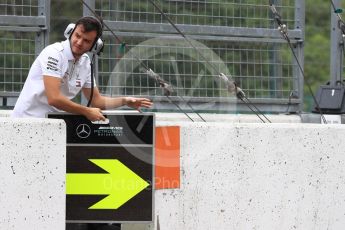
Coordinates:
(317, 46)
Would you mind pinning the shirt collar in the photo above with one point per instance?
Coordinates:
(67, 49)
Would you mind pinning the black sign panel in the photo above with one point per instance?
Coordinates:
(109, 168)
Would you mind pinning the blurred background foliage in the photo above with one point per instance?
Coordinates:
(317, 46)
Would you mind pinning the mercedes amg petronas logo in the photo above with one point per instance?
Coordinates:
(83, 131)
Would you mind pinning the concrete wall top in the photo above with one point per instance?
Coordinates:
(209, 117)
(231, 118)
(5, 113)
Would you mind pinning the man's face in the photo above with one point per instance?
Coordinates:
(82, 41)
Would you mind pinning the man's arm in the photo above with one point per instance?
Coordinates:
(103, 102)
(59, 101)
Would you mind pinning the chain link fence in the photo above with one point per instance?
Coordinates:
(23, 34)
(236, 37)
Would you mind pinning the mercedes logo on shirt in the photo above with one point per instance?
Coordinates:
(83, 131)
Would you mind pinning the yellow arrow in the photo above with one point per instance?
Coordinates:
(120, 184)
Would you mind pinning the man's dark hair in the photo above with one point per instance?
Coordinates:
(91, 24)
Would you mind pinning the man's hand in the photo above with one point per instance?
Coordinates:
(94, 114)
(136, 103)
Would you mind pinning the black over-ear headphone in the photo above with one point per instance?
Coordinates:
(98, 44)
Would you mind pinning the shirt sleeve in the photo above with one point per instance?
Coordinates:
(51, 62)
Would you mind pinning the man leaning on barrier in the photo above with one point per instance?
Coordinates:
(57, 76)
(62, 70)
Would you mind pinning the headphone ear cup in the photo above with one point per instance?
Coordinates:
(97, 48)
(69, 30)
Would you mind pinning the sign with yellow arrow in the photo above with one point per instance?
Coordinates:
(109, 168)
(120, 184)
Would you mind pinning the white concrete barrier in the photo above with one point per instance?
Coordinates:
(32, 174)
(256, 176)
(233, 176)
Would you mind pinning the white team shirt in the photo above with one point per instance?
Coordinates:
(55, 60)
